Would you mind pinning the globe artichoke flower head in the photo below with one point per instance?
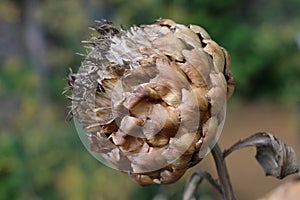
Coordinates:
(151, 100)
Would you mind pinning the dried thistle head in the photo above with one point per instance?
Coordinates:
(152, 99)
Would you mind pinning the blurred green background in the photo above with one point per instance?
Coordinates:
(41, 156)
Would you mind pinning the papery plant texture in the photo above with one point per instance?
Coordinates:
(151, 100)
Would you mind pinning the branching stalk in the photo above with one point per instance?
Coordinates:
(227, 190)
(190, 191)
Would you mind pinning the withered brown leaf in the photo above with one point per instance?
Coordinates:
(276, 158)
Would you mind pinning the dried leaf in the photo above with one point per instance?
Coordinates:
(276, 158)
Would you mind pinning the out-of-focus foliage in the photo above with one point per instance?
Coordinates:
(41, 156)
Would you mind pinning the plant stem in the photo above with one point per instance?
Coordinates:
(225, 183)
(190, 190)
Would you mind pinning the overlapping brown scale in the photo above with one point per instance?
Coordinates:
(213, 49)
(200, 31)
(170, 45)
(199, 66)
(152, 98)
(187, 35)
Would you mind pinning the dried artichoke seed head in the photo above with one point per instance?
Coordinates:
(151, 99)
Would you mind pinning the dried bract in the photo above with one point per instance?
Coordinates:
(152, 99)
